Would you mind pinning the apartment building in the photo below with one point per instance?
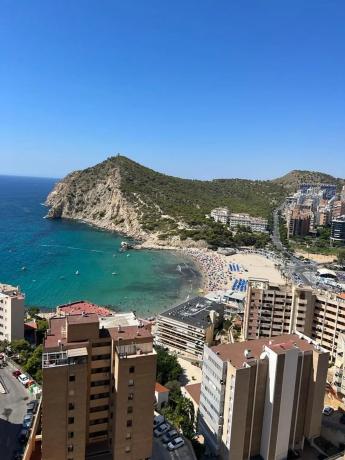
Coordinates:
(272, 309)
(256, 224)
(339, 364)
(11, 313)
(338, 209)
(299, 222)
(262, 397)
(98, 390)
(220, 215)
(187, 327)
(338, 230)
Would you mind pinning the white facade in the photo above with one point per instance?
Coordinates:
(11, 313)
(257, 224)
(339, 374)
(220, 215)
(212, 394)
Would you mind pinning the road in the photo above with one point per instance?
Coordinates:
(12, 411)
(160, 452)
(297, 266)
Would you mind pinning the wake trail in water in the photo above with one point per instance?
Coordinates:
(71, 247)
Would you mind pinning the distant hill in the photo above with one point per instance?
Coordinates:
(294, 178)
(122, 195)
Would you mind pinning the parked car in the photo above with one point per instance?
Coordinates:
(23, 435)
(169, 436)
(158, 420)
(16, 373)
(27, 421)
(31, 407)
(176, 443)
(23, 379)
(163, 428)
(327, 410)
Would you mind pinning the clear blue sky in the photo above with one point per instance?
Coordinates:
(194, 88)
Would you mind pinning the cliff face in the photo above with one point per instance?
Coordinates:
(95, 196)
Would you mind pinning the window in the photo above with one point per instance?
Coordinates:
(72, 378)
(70, 406)
(128, 449)
(129, 423)
(99, 408)
(70, 420)
(129, 410)
(98, 357)
(100, 383)
(131, 370)
(70, 434)
(128, 435)
(70, 448)
(99, 396)
(130, 396)
(130, 382)
(98, 433)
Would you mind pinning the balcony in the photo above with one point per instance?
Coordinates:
(64, 358)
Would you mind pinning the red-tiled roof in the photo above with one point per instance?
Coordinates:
(30, 325)
(161, 389)
(84, 307)
(342, 295)
(194, 391)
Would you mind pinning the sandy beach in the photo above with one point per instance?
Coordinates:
(214, 268)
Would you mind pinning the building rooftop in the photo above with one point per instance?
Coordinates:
(235, 352)
(194, 311)
(194, 390)
(82, 319)
(83, 307)
(130, 333)
(161, 389)
(12, 291)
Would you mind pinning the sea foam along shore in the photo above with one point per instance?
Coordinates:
(212, 266)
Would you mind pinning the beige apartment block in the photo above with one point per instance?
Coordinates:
(98, 390)
(339, 364)
(262, 397)
(185, 329)
(11, 313)
(273, 309)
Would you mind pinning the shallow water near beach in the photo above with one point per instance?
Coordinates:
(59, 261)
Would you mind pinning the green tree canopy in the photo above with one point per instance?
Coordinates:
(168, 367)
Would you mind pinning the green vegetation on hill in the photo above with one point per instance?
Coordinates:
(189, 200)
(171, 206)
(292, 180)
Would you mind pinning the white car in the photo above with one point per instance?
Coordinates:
(175, 443)
(163, 428)
(327, 410)
(23, 379)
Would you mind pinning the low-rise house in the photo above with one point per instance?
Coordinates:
(192, 392)
(161, 396)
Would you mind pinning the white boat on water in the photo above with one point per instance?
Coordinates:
(114, 273)
(77, 272)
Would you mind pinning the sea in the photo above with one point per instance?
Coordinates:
(60, 261)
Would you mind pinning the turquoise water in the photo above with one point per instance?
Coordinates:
(42, 256)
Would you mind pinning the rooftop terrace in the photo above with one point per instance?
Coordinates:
(195, 311)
